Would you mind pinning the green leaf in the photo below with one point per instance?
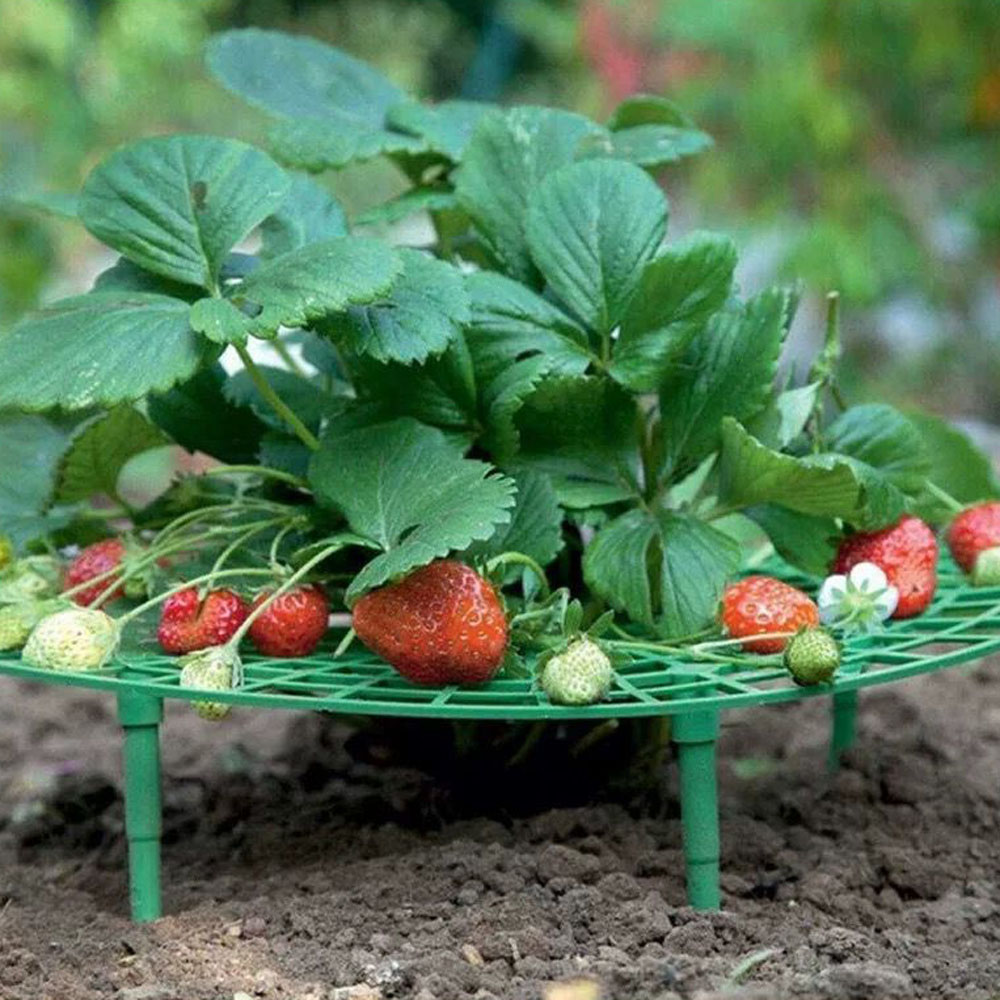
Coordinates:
(298, 77)
(97, 350)
(653, 146)
(506, 159)
(651, 132)
(880, 436)
(101, 450)
(198, 417)
(60, 204)
(422, 314)
(785, 416)
(825, 365)
(825, 485)
(300, 286)
(432, 198)
(307, 399)
(284, 452)
(124, 276)
(502, 397)
(402, 486)
(647, 109)
(446, 128)
(176, 205)
(317, 144)
(804, 540)
(677, 294)
(309, 214)
(957, 466)
(30, 449)
(535, 526)
(581, 431)
(664, 570)
(727, 371)
(591, 229)
(441, 392)
(336, 104)
(509, 321)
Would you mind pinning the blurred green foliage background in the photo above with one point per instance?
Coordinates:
(858, 141)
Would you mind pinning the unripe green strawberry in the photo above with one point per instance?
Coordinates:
(216, 668)
(6, 551)
(812, 656)
(18, 620)
(986, 569)
(580, 675)
(30, 578)
(75, 639)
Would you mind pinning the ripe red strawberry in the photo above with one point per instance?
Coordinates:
(188, 623)
(293, 624)
(906, 552)
(93, 561)
(973, 531)
(759, 604)
(442, 624)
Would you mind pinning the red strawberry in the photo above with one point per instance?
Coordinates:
(759, 604)
(973, 531)
(442, 624)
(93, 561)
(188, 623)
(293, 624)
(906, 552)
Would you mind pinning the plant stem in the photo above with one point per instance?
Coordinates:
(272, 557)
(594, 736)
(344, 643)
(701, 649)
(832, 316)
(276, 403)
(104, 514)
(946, 498)
(281, 349)
(286, 586)
(224, 555)
(117, 576)
(255, 470)
(192, 516)
(197, 581)
(530, 741)
(520, 559)
(723, 643)
(654, 647)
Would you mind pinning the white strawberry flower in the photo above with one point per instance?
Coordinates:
(858, 602)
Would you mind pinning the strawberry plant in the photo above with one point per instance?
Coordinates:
(552, 392)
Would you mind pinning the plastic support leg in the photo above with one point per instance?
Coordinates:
(695, 734)
(844, 726)
(140, 716)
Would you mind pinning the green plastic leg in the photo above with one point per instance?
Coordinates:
(140, 715)
(695, 734)
(844, 727)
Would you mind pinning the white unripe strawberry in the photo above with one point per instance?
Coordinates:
(580, 675)
(216, 668)
(76, 639)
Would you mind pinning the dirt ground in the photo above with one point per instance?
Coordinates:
(303, 862)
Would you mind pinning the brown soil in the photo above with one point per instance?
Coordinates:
(296, 867)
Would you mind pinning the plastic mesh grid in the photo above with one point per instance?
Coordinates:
(962, 624)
